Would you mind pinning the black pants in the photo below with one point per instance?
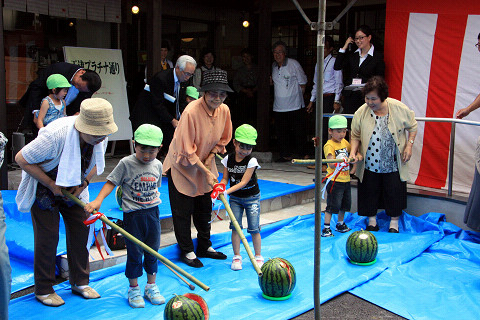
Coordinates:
(183, 209)
(381, 190)
(352, 100)
(290, 130)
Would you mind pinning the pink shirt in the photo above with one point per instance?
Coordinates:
(199, 131)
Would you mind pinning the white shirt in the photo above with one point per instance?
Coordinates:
(370, 52)
(332, 79)
(287, 80)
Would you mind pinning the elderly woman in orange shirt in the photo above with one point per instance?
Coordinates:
(204, 129)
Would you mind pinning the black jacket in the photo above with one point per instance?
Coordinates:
(348, 62)
(37, 90)
(152, 107)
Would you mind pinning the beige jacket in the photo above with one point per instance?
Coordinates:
(401, 119)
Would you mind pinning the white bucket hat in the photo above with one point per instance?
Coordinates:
(96, 117)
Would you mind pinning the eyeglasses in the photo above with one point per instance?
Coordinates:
(215, 95)
(245, 146)
(187, 74)
(359, 38)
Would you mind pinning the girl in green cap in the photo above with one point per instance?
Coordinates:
(53, 105)
(240, 170)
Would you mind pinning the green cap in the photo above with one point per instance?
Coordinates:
(192, 92)
(337, 122)
(57, 81)
(246, 134)
(149, 135)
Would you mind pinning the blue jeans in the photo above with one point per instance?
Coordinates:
(5, 269)
(251, 205)
(339, 198)
(145, 226)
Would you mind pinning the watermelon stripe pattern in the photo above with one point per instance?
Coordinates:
(183, 308)
(362, 246)
(278, 279)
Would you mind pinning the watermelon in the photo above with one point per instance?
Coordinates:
(118, 196)
(278, 279)
(186, 307)
(362, 246)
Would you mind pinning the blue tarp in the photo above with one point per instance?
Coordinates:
(441, 283)
(236, 294)
(19, 233)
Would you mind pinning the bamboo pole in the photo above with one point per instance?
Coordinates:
(240, 233)
(127, 235)
(312, 161)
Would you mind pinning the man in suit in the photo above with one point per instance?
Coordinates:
(84, 84)
(164, 98)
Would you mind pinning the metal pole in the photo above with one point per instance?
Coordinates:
(450, 160)
(318, 156)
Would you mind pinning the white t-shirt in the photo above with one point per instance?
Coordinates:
(286, 82)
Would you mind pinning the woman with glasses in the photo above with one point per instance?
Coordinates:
(204, 130)
(358, 66)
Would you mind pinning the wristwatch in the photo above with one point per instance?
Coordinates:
(411, 141)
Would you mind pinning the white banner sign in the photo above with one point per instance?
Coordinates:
(108, 64)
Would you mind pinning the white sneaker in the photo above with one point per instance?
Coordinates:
(236, 263)
(259, 260)
(153, 295)
(135, 299)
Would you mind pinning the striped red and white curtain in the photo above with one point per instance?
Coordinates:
(433, 66)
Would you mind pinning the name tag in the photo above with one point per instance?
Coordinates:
(357, 81)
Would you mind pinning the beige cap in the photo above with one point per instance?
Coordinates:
(96, 117)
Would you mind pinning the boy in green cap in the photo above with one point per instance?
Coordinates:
(240, 169)
(339, 198)
(140, 176)
(192, 94)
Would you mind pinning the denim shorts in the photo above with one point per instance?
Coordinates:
(339, 198)
(251, 205)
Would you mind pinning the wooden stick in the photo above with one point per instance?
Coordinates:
(312, 161)
(191, 286)
(240, 233)
(127, 235)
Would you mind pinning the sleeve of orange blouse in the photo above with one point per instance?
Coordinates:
(226, 135)
(185, 141)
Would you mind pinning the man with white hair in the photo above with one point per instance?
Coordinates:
(164, 97)
(289, 80)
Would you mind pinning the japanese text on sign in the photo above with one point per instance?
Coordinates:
(105, 67)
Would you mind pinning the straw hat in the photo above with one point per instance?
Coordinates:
(215, 80)
(96, 117)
